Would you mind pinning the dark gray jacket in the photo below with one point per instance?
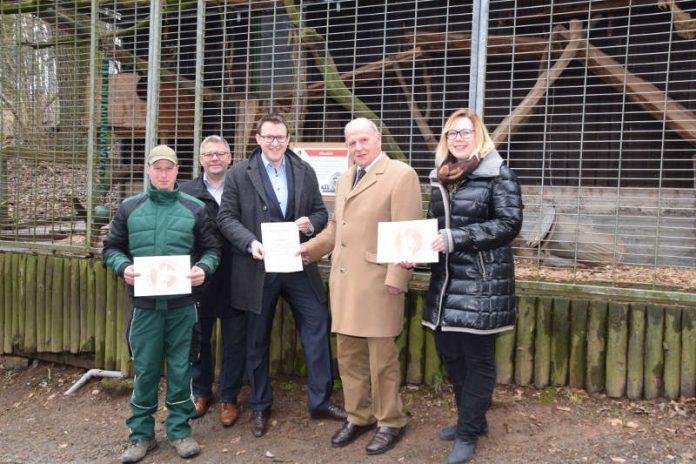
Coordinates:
(244, 208)
(472, 288)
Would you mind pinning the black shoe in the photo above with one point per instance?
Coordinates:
(462, 452)
(333, 412)
(385, 439)
(259, 422)
(348, 433)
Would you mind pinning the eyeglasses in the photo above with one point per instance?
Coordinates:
(211, 154)
(271, 138)
(464, 133)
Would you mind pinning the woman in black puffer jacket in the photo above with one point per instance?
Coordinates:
(478, 204)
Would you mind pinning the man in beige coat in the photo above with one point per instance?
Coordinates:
(367, 298)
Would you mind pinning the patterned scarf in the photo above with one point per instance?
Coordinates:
(453, 169)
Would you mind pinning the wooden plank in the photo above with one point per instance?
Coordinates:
(75, 305)
(578, 338)
(99, 313)
(6, 302)
(542, 343)
(41, 302)
(84, 304)
(672, 346)
(48, 311)
(596, 346)
(110, 321)
(66, 303)
(91, 306)
(617, 349)
(688, 365)
(57, 307)
(560, 341)
(416, 341)
(16, 310)
(29, 344)
(654, 352)
(524, 357)
(636, 348)
(120, 324)
(21, 306)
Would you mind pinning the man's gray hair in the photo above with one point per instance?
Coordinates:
(356, 121)
(215, 139)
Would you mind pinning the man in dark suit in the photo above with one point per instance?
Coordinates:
(214, 298)
(275, 185)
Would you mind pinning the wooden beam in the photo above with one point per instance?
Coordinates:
(456, 42)
(546, 79)
(663, 108)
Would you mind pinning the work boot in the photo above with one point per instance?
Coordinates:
(462, 451)
(136, 450)
(186, 447)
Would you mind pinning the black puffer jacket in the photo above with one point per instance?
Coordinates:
(472, 288)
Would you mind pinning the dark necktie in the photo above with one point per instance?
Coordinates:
(358, 175)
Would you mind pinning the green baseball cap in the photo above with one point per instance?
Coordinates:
(162, 152)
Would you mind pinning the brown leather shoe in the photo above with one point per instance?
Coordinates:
(228, 414)
(202, 404)
(259, 422)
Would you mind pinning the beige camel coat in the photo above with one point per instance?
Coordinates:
(360, 303)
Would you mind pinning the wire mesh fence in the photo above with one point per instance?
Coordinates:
(591, 104)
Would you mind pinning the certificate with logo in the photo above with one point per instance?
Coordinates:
(281, 245)
(162, 275)
(406, 241)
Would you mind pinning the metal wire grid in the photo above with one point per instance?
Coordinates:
(627, 205)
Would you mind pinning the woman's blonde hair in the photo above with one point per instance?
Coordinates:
(483, 144)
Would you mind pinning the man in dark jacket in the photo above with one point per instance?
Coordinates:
(214, 297)
(162, 221)
(275, 185)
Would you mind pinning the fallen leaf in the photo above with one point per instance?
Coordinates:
(269, 455)
(225, 450)
(236, 440)
(617, 459)
(63, 445)
(564, 408)
(631, 425)
(615, 422)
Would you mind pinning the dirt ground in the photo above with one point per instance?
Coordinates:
(38, 424)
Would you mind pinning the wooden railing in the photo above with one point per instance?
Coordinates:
(625, 342)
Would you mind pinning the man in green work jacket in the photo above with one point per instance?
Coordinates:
(162, 221)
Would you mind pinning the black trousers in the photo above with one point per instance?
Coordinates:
(470, 363)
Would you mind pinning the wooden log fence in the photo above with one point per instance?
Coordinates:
(75, 311)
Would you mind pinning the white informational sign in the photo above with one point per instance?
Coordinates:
(408, 241)
(329, 161)
(162, 275)
(281, 244)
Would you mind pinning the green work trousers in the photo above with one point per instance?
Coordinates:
(154, 333)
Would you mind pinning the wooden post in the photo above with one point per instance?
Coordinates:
(57, 307)
(636, 349)
(560, 342)
(654, 352)
(578, 337)
(3, 323)
(99, 313)
(596, 346)
(66, 304)
(16, 310)
(416, 342)
(20, 308)
(48, 307)
(110, 321)
(524, 357)
(542, 343)
(617, 341)
(74, 306)
(41, 276)
(30, 314)
(688, 364)
(84, 305)
(672, 347)
(120, 325)
(505, 357)
(91, 306)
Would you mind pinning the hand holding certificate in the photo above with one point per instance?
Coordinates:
(281, 243)
(406, 241)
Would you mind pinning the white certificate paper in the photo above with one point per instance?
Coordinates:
(281, 244)
(162, 275)
(406, 241)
